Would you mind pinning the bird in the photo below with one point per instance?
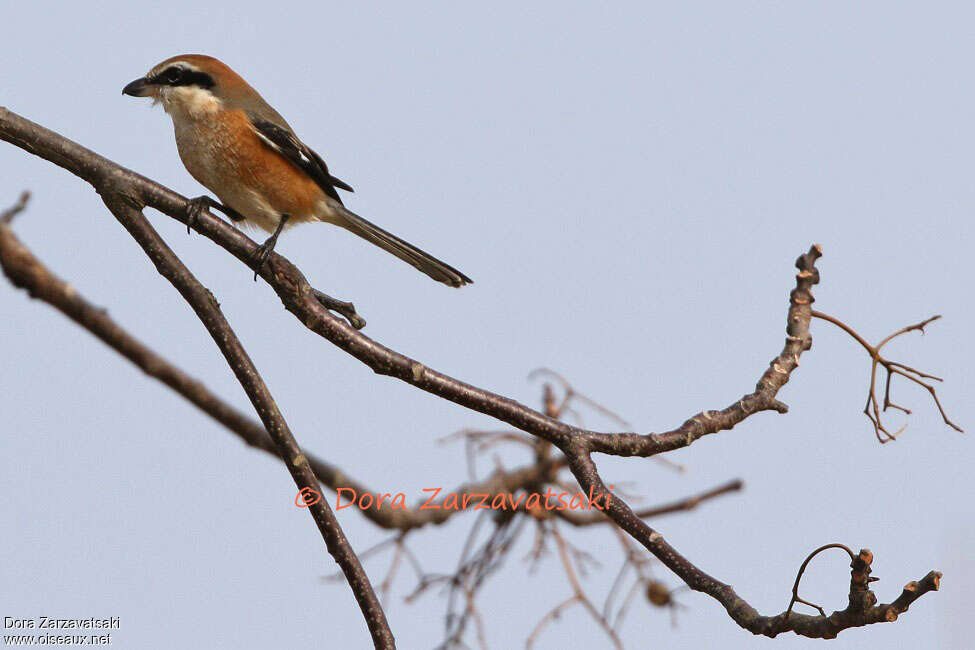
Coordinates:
(241, 149)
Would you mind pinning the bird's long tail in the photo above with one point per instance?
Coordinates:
(439, 271)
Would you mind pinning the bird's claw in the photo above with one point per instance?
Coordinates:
(194, 208)
(263, 252)
(261, 256)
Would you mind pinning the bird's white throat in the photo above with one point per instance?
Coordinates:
(188, 101)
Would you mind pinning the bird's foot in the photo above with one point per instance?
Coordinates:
(196, 207)
(262, 254)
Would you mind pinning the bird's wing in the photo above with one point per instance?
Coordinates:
(286, 143)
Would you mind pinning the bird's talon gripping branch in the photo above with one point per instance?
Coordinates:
(263, 252)
(261, 256)
(194, 208)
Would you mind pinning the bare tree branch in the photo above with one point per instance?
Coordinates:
(126, 192)
(299, 297)
(207, 309)
(24, 270)
(27, 272)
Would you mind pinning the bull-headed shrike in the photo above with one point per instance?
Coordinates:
(242, 150)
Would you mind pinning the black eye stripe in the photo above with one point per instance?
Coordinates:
(171, 75)
(180, 76)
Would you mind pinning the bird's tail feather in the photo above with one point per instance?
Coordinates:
(439, 271)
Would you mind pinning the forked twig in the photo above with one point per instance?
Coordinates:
(872, 409)
(578, 596)
(558, 410)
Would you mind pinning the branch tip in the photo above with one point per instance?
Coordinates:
(7, 216)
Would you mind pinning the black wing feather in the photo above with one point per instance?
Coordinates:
(288, 145)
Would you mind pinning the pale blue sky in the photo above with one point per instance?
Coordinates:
(628, 185)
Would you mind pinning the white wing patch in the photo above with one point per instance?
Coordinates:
(266, 140)
(273, 145)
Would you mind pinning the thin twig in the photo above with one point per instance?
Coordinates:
(578, 596)
(7, 216)
(872, 409)
(802, 570)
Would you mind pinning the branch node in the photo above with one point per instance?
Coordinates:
(346, 309)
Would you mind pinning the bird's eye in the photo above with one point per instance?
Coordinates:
(172, 75)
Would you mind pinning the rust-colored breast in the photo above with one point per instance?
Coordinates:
(225, 154)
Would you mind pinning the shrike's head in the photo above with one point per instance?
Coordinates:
(193, 84)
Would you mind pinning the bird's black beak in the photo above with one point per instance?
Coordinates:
(138, 88)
